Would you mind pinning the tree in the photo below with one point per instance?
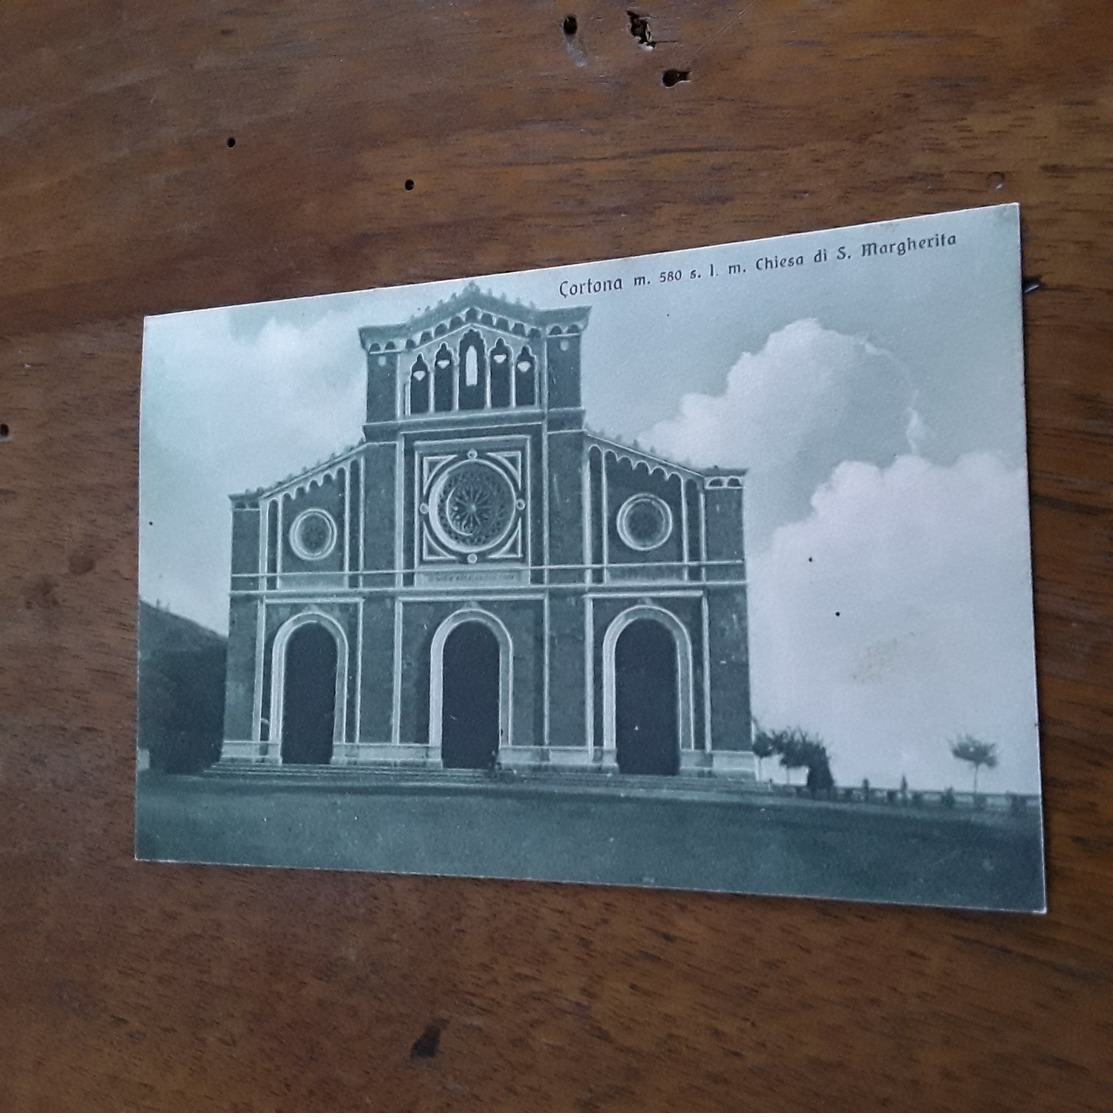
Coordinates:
(979, 754)
(798, 749)
(815, 757)
(764, 746)
(792, 749)
(819, 770)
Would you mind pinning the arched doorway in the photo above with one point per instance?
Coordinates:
(646, 706)
(470, 711)
(309, 696)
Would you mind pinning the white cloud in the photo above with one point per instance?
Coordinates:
(810, 398)
(897, 616)
(225, 411)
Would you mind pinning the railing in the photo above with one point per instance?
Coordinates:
(910, 799)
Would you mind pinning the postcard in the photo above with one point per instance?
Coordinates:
(707, 570)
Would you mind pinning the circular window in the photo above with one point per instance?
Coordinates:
(644, 522)
(472, 507)
(313, 534)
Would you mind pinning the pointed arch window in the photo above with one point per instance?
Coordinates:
(419, 387)
(473, 372)
(443, 380)
(525, 378)
(501, 361)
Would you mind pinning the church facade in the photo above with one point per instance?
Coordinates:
(482, 580)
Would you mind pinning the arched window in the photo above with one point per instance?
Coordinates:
(525, 380)
(442, 380)
(419, 387)
(501, 360)
(473, 372)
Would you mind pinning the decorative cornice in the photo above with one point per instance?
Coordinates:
(716, 478)
(636, 456)
(307, 473)
(473, 306)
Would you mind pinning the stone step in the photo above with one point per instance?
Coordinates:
(463, 777)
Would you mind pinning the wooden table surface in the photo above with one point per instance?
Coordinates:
(128, 985)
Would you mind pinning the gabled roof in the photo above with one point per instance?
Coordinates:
(306, 473)
(635, 455)
(471, 305)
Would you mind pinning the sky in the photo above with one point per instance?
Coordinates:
(876, 401)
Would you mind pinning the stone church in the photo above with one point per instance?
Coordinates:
(483, 581)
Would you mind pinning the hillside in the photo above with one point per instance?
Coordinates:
(181, 690)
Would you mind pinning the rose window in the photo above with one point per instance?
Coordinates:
(644, 522)
(313, 534)
(473, 507)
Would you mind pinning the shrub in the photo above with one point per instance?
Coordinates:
(820, 780)
(795, 749)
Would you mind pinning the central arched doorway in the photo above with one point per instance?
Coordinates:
(470, 714)
(646, 706)
(309, 696)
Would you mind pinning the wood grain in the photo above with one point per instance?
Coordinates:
(134, 986)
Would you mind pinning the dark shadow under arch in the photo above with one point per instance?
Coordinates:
(470, 701)
(647, 739)
(309, 696)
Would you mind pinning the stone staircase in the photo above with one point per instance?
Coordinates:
(386, 778)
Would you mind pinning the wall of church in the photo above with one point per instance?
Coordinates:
(624, 483)
(277, 613)
(563, 363)
(376, 680)
(731, 726)
(687, 611)
(239, 691)
(419, 623)
(379, 522)
(567, 715)
(382, 391)
(478, 381)
(566, 506)
(725, 540)
(245, 540)
(523, 621)
(301, 539)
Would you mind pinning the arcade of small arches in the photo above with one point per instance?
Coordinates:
(602, 451)
(472, 317)
(646, 688)
(477, 374)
